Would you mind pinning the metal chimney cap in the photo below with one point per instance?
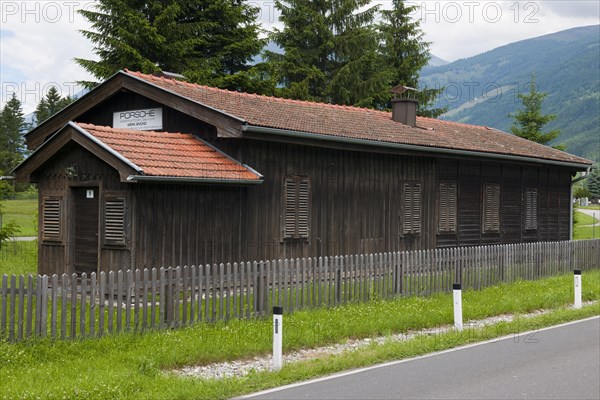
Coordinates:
(402, 89)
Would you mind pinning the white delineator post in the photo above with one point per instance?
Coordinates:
(458, 319)
(277, 338)
(577, 276)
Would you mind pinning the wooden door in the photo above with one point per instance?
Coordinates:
(84, 237)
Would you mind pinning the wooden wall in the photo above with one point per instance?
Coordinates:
(57, 257)
(553, 185)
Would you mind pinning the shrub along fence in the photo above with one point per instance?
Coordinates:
(72, 306)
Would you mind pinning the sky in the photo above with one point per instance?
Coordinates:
(40, 39)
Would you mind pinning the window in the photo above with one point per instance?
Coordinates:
(296, 207)
(531, 208)
(491, 208)
(411, 209)
(447, 207)
(52, 218)
(115, 221)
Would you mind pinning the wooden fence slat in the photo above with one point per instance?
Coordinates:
(101, 303)
(12, 307)
(73, 303)
(21, 316)
(138, 298)
(83, 304)
(93, 302)
(155, 299)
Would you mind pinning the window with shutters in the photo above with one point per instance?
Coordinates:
(52, 221)
(491, 208)
(447, 207)
(411, 208)
(296, 207)
(115, 221)
(531, 208)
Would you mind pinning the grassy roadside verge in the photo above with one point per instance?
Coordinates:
(132, 366)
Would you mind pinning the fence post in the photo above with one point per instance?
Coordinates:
(577, 279)
(458, 317)
(277, 338)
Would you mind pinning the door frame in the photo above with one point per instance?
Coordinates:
(71, 221)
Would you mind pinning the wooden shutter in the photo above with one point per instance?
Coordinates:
(52, 218)
(491, 208)
(447, 207)
(115, 221)
(302, 213)
(531, 208)
(296, 213)
(411, 208)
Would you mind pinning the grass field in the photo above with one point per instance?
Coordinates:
(18, 258)
(23, 213)
(581, 231)
(137, 366)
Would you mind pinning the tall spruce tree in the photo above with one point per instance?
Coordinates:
(206, 40)
(405, 52)
(12, 124)
(50, 105)
(329, 51)
(529, 122)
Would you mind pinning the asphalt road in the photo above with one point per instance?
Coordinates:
(561, 362)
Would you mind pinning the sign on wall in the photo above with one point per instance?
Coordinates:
(143, 120)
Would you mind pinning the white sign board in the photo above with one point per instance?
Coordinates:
(142, 120)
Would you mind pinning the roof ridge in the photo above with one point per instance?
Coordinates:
(443, 121)
(255, 95)
(106, 128)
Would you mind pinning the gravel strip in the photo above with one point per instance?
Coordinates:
(240, 368)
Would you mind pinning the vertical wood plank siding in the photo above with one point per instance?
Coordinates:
(72, 306)
(355, 202)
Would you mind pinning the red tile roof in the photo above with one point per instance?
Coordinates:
(358, 123)
(171, 154)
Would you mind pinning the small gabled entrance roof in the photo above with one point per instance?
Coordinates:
(146, 155)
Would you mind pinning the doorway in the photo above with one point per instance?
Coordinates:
(84, 235)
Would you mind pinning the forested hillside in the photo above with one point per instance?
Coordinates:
(483, 89)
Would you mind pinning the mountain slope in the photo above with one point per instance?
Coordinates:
(483, 89)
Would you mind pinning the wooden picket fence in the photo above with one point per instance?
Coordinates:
(77, 306)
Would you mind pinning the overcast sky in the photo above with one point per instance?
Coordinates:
(40, 39)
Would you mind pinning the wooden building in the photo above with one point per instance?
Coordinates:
(146, 171)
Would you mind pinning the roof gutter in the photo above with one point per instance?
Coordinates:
(411, 147)
(182, 179)
(583, 176)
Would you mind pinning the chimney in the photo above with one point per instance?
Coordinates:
(404, 107)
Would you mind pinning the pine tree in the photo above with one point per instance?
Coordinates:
(329, 51)
(206, 40)
(50, 105)
(592, 183)
(12, 146)
(405, 53)
(529, 122)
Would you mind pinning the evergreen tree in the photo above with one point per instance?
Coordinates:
(405, 53)
(206, 40)
(530, 121)
(592, 183)
(329, 51)
(12, 124)
(50, 105)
